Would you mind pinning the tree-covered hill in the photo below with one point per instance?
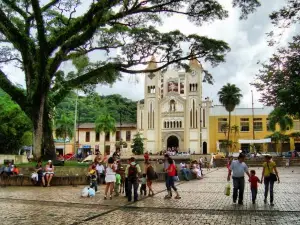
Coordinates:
(90, 107)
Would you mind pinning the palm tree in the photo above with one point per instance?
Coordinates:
(229, 97)
(279, 116)
(64, 128)
(106, 124)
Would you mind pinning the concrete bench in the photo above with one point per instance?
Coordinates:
(25, 180)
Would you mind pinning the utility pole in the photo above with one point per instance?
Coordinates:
(75, 121)
(253, 132)
(253, 116)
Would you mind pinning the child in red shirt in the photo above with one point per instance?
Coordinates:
(253, 182)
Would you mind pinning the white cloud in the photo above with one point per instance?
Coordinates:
(248, 44)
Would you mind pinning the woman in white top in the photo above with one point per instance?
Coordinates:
(49, 172)
(110, 177)
(196, 170)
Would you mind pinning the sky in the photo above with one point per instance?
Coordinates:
(246, 38)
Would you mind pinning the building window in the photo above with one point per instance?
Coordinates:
(107, 137)
(118, 135)
(268, 125)
(87, 136)
(244, 124)
(128, 135)
(151, 89)
(257, 124)
(296, 125)
(221, 123)
(97, 139)
(193, 87)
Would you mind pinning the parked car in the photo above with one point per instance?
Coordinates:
(289, 154)
(69, 156)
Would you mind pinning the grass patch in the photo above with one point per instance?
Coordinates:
(67, 164)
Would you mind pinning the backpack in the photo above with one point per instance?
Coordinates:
(132, 173)
(151, 174)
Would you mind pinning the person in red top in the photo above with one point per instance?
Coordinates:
(146, 157)
(171, 170)
(253, 182)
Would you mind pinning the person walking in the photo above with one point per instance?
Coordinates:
(171, 171)
(133, 172)
(269, 178)
(238, 168)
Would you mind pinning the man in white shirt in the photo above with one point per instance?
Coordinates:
(238, 169)
(185, 171)
(100, 173)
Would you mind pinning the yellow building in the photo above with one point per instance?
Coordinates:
(245, 126)
(89, 140)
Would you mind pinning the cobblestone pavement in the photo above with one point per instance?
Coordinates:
(203, 202)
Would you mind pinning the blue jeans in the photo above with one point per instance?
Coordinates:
(94, 185)
(269, 184)
(185, 172)
(171, 184)
(254, 194)
(238, 188)
(135, 185)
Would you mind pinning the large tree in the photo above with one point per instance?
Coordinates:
(229, 96)
(38, 36)
(279, 116)
(278, 81)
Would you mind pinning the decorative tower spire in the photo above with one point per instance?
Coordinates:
(152, 64)
(194, 62)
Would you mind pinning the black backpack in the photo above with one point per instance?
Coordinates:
(132, 173)
(151, 174)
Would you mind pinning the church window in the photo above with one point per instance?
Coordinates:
(174, 124)
(151, 117)
(180, 124)
(141, 120)
(177, 124)
(193, 116)
(193, 87)
(172, 105)
(165, 124)
(151, 89)
(204, 118)
(191, 119)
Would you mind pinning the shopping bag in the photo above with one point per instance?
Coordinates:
(85, 192)
(227, 189)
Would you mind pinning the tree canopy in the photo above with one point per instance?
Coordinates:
(39, 36)
(15, 126)
(90, 107)
(278, 81)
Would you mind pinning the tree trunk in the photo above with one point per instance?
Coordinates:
(48, 143)
(38, 124)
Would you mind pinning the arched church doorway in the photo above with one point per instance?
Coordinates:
(204, 146)
(172, 141)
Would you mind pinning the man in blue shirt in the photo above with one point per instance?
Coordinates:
(238, 168)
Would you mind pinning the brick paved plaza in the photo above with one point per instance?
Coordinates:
(203, 202)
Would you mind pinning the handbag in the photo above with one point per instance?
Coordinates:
(273, 176)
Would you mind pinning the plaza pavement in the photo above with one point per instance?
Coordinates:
(203, 202)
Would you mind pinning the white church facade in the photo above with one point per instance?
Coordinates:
(173, 113)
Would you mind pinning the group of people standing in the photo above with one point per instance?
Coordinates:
(117, 178)
(237, 168)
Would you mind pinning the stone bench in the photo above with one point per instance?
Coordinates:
(25, 180)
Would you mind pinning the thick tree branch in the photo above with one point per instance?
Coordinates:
(14, 7)
(43, 51)
(12, 33)
(16, 93)
(66, 33)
